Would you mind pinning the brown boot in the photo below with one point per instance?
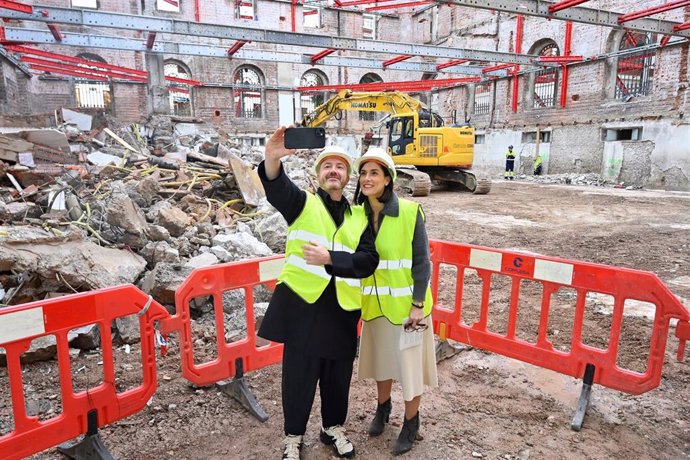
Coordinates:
(407, 435)
(383, 412)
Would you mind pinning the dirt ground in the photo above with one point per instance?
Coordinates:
(486, 406)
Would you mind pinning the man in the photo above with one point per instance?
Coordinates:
(537, 165)
(314, 310)
(510, 164)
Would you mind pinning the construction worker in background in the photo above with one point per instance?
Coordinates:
(537, 166)
(315, 308)
(510, 164)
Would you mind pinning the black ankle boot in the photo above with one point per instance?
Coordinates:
(407, 435)
(383, 411)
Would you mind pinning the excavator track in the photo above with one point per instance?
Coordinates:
(483, 186)
(463, 178)
(415, 182)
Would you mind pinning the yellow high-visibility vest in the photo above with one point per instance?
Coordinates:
(388, 292)
(315, 224)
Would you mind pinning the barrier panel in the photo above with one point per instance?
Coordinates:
(596, 365)
(232, 358)
(85, 411)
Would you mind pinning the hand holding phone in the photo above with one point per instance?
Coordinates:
(305, 138)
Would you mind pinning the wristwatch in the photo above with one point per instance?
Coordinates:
(418, 304)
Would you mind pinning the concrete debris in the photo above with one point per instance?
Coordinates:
(91, 204)
(590, 179)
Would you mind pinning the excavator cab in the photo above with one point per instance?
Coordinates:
(401, 135)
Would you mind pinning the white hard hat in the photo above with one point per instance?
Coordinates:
(380, 156)
(333, 151)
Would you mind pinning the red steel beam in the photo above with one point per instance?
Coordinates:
(85, 70)
(561, 59)
(236, 47)
(321, 54)
(654, 10)
(399, 5)
(451, 63)
(293, 13)
(361, 2)
(197, 10)
(520, 26)
(16, 6)
(402, 57)
(567, 49)
(565, 4)
(150, 39)
(683, 26)
(75, 60)
(183, 81)
(55, 30)
(52, 69)
(494, 68)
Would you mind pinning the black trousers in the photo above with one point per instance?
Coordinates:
(510, 163)
(301, 374)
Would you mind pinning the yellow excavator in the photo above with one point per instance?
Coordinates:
(417, 138)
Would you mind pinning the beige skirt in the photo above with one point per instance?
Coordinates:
(380, 357)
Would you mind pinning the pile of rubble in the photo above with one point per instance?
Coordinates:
(83, 208)
(592, 179)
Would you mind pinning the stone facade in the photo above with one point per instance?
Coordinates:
(576, 133)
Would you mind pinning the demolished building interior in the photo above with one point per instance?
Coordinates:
(130, 132)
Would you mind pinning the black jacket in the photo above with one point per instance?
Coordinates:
(320, 329)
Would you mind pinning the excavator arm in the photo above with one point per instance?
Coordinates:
(392, 102)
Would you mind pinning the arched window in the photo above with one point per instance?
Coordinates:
(248, 93)
(635, 73)
(310, 100)
(546, 81)
(179, 93)
(92, 94)
(369, 78)
(482, 99)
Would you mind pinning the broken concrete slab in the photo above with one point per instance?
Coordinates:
(174, 220)
(272, 230)
(122, 212)
(160, 251)
(202, 260)
(85, 338)
(99, 158)
(48, 137)
(66, 260)
(82, 120)
(163, 280)
(242, 245)
(128, 329)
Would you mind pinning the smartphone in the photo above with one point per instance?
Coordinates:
(305, 138)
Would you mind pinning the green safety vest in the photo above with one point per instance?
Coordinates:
(510, 155)
(315, 224)
(388, 292)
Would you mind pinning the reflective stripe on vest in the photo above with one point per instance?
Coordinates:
(389, 291)
(315, 224)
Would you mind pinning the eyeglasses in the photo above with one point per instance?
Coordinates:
(419, 328)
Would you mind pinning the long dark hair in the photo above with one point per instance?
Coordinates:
(387, 191)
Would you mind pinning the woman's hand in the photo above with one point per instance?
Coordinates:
(416, 316)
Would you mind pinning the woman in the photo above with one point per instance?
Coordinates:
(397, 342)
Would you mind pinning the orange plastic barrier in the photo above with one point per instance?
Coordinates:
(214, 281)
(553, 274)
(19, 325)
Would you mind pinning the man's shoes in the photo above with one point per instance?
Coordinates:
(383, 412)
(293, 445)
(407, 435)
(335, 436)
